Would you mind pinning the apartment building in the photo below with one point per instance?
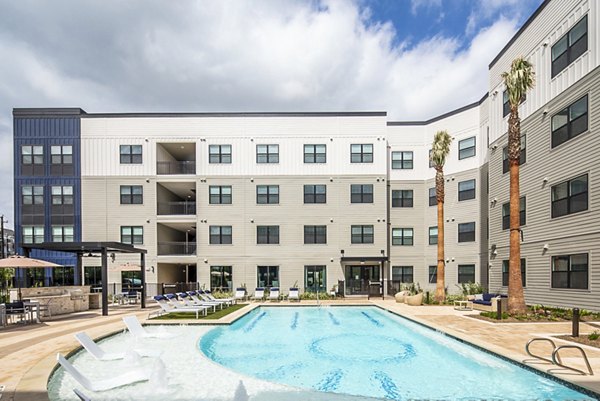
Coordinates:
(314, 199)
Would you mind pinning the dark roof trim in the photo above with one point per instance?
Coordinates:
(364, 258)
(86, 247)
(243, 114)
(434, 119)
(519, 32)
(48, 112)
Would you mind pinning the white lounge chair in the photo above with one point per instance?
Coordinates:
(187, 300)
(101, 355)
(259, 294)
(169, 304)
(240, 294)
(274, 294)
(136, 329)
(130, 377)
(80, 395)
(294, 295)
(211, 297)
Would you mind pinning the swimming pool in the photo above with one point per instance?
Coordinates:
(370, 352)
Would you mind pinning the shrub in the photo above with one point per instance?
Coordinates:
(470, 288)
(594, 335)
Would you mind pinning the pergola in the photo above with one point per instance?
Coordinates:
(91, 248)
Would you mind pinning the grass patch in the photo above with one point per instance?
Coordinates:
(189, 315)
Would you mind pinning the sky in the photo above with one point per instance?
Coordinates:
(414, 59)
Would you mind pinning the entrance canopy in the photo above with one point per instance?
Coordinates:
(361, 272)
(89, 249)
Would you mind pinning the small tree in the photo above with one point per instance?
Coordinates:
(439, 151)
(518, 81)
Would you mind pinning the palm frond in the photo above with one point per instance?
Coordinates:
(518, 80)
(440, 148)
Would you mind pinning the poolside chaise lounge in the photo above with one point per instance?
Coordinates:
(294, 295)
(259, 294)
(169, 304)
(209, 294)
(129, 377)
(80, 395)
(203, 299)
(98, 353)
(136, 329)
(274, 294)
(187, 301)
(240, 294)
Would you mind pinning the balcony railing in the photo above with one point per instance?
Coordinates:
(177, 208)
(176, 248)
(176, 167)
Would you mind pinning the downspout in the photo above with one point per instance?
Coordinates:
(386, 264)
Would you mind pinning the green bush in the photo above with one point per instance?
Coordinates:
(594, 335)
(470, 288)
(323, 296)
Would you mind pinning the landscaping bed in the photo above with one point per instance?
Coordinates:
(593, 339)
(539, 314)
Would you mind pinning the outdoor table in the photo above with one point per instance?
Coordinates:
(463, 305)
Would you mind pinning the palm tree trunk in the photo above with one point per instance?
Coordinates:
(440, 289)
(516, 299)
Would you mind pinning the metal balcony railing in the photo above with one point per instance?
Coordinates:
(177, 208)
(176, 167)
(176, 248)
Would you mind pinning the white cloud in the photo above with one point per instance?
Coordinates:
(428, 4)
(229, 56)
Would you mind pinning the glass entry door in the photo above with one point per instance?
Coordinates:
(358, 277)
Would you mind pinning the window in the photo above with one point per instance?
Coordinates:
(267, 194)
(361, 193)
(315, 194)
(61, 154)
(506, 214)
(466, 232)
(505, 272)
(92, 275)
(361, 153)
(432, 274)
(402, 236)
(362, 234)
(433, 235)
(131, 154)
(402, 198)
(267, 234)
(315, 234)
(35, 277)
(315, 278)
(219, 154)
(268, 276)
(522, 158)
(221, 278)
(267, 153)
(132, 194)
(570, 122)
(62, 234)
(506, 105)
(220, 235)
(568, 48)
(219, 194)
(466, 190)
(63, 275)
(315, 153)
(131, 279)
(62, 195)
(570, 271)
(32, 195)
(402, 160)
(132, 234)
(570, 196)
(466, 274)
(32, 154)
(466, 148)
(432, 197)
(33, 234)
(404, 274)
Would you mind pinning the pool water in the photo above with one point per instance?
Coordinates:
(369, 352)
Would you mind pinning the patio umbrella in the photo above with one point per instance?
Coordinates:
(22, 262)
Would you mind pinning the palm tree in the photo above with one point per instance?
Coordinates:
(518, 81)
(439, 151)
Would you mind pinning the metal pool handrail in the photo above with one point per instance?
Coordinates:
(541, 357)
(556, 357)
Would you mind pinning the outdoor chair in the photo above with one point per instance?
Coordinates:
(240, 294)
(80, 395)
(202, 299)
(130, 377)
(98, 353)
(274, 294)
(259, 294)
(188, 301)
(294, 295)
(210, 296)
(169, 304)
(16, 310)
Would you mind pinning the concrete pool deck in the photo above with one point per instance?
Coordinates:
(27, 353)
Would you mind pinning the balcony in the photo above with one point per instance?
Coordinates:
(176, 248)
(176, 198)
(176, 239)
(177, 158)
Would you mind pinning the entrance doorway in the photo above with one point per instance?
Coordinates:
(358, 277)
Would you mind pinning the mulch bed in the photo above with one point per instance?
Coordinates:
(511, 319)
(582, 339)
